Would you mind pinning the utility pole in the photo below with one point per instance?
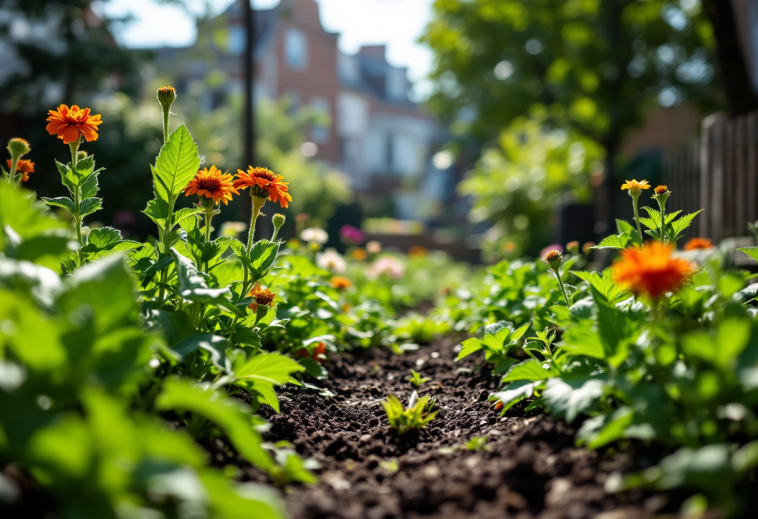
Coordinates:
(249, 70)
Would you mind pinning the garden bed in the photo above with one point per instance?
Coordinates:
(529, 466)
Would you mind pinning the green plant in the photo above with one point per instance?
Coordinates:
(416, 416)
(416, 379)
(499, 339)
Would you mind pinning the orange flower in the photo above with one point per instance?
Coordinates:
(360, 254)
(212, 183)
(261, 296)
(698, 244)
(71, 123)
(651, 270)
(341, 283)
(265, 184)
(23, 168)
(659, 190)
(416, 252)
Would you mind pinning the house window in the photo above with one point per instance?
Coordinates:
(320, 131)
(237, 40)
(295, 50)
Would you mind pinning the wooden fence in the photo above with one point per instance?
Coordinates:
(717, 172)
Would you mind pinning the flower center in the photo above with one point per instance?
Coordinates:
(209, 183)
(264, 173)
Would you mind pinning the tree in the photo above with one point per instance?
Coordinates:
(60, 51)
(735, 75)
(594, 66)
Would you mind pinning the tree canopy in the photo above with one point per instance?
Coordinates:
(593, 65)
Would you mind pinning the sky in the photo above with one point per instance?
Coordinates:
(398, 23)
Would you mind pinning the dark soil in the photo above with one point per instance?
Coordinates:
(529, 468)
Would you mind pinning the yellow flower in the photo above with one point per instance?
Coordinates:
(635, 188)
(659, 190)
(212, 183)
(651, 270)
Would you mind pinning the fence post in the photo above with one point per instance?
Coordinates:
(712, 176)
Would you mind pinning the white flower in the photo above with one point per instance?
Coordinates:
(386, 265)
(373, 247)
(314, 234)
(331, 260)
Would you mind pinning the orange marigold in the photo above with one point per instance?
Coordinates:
(698, 244)
(651, 270)
(212, 183)
(341, 283)
(261, 296)
(264, 183)
(71, 123)
(23, 168)
(659, 190)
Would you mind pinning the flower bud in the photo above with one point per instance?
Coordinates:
(81, 155)
(572, 247)
(278, 220)
(661, 194)
(166, 96)
(553, 259)
(587, 248)
(18, 147)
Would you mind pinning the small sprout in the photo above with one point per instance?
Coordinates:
(416, 379)
(415, 417)
(477, 443)
(390, 465)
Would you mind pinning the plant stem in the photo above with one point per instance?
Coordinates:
(257, 205)
(166, 113)
(563, 288)
(14, 166)
(208, 217)
(663, 223)
(635, 203)
(74, 147)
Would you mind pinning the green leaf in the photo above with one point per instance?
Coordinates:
(105, 241)
(614, 241)
(177, 164)
(63, 201)
(677, 227)
(603, 284)
(570, 397)
(193, 286)
(213, 344)
(91, 205)
(230, 416)
(271, 368)
(583, 339)
(513, 394)
(47, 251)
(750, 251)
(469, 346)
(531, 370)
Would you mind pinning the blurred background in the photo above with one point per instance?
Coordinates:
(484, 128)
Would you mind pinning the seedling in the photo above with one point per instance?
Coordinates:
(416, 379)
(499, 339)
(477, 443)
(416, 416)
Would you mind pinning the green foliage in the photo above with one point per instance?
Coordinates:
(416, 379)
(416, 416)
(499, 338)
(594, 67)
(517, 184)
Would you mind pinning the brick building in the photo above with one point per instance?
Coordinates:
(375, 134)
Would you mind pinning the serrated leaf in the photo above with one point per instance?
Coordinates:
(614, 241)
(90, 205)
(750, 251)
(193, 286)
(603, 284)
(63, 202)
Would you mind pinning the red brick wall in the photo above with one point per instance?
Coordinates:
(319, 79)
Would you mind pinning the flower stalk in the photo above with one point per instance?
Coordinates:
(635, 190)
(554, 260)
